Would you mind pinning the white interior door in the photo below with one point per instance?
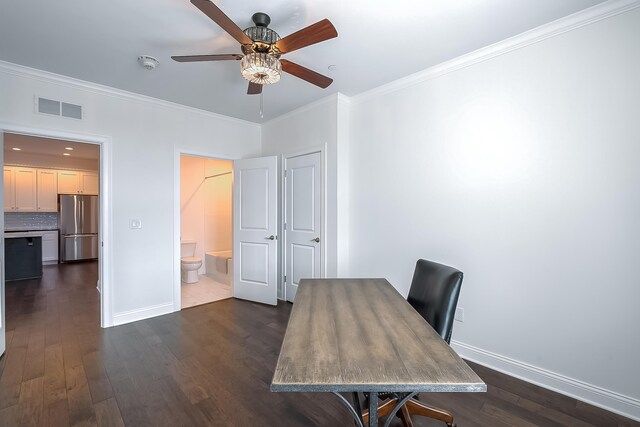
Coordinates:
(255, 210)
(303, 220)
(3, 343)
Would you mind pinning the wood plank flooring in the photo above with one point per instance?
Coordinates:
(205, 366)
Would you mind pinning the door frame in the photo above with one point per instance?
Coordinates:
(177, 152)
(105, 231)
(322, 149)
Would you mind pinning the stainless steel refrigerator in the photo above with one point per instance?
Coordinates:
(78, 224)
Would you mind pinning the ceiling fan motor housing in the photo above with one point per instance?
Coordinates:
(261, 19)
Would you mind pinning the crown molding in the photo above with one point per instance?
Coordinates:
(554, 28)
(48, 77)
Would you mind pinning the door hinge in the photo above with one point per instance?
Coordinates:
(285, 279)
(285, 173)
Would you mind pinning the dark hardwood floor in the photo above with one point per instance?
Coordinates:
(205, 366)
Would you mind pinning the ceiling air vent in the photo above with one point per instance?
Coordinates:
(57, 108)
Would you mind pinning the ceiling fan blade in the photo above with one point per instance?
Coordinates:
(305, 74)
(198, 58)
(316, 33)
(218, 16)
(254, 89)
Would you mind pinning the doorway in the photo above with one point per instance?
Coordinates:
(254, 234)
(206, 230)
(52, 222)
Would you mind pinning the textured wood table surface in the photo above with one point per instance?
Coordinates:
(362, 335)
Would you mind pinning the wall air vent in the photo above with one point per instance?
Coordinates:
(58, 108)
(72, 111)
(48, 106)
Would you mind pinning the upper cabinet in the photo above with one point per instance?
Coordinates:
(36, 190)
(47, 190)
(89, 183)
(68, 182)
(9, 189)
(20, 189)
(76, 182)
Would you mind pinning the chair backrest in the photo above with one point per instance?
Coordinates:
(434, 293)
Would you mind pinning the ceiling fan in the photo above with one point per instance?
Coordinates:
(262, 47)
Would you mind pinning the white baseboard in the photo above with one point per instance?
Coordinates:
(594, 395)
(142, 313)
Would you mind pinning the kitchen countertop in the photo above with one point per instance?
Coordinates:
(12, 230)
(31, 233)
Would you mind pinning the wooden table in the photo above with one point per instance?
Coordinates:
(361, 335)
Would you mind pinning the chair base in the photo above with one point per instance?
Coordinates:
(412, 407)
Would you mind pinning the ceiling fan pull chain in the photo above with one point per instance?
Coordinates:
(261, 107)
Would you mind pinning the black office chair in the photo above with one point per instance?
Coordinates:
(434, 293)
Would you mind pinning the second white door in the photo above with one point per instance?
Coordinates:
(303, 220)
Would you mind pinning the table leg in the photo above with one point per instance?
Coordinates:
(356, 414)
(401, 402)
(373, 409)
(356, 406)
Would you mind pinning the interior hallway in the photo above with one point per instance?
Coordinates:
(205, 366)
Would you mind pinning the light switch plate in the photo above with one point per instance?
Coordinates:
(459, 314)
(135, 224)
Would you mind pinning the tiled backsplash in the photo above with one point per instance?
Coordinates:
(30, 221)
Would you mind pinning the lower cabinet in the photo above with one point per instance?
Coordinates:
(49, 247)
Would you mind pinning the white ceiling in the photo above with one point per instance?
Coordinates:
(378, 42)
(50, 147)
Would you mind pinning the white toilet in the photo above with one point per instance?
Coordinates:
(189, 265)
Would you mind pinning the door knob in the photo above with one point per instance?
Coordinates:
(317, 240)
(272, 237)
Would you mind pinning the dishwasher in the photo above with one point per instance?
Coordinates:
(22, 258)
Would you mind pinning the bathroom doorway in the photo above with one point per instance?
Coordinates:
(206, 230)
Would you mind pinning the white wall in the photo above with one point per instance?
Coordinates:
(522, 171)
(218, 219)
(145, 135)
(192, 204)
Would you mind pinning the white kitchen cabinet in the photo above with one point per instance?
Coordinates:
(36, 190)
(89, 183)
(9, 189)
(49, 247)
(76, 182)
(26, 190)
(20, 189)
(68, 182)
(47, 184)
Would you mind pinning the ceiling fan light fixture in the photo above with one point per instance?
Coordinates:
(261, 68)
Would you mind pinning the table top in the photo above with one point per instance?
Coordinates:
(362, 335)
